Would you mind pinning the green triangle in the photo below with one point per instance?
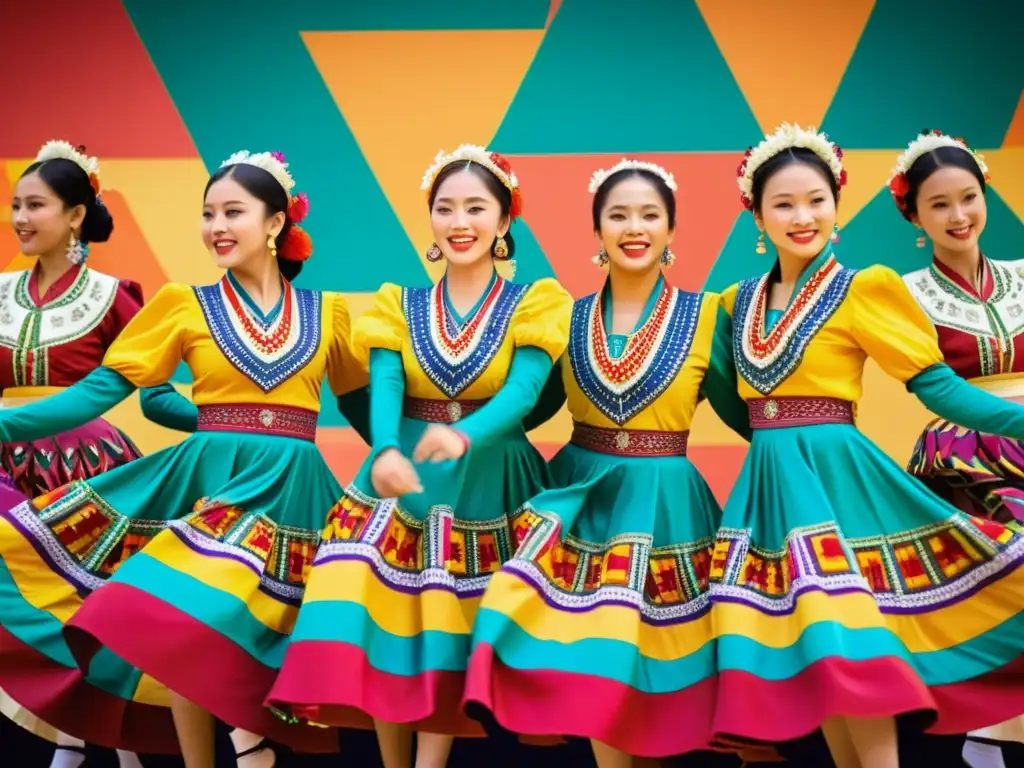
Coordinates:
(738, 260)
(650, 79)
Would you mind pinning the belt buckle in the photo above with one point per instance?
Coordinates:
(622, 440)
(454, 410)
(266, 417)
(770, 410)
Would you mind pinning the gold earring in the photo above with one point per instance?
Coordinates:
(500, 248)
(760, 249)
(434, 253)
(272, 245)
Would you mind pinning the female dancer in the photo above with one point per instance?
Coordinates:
(407, 551)
(843, 592)
(607, 593)
(939, 185)
(56, 322)
(201, 549)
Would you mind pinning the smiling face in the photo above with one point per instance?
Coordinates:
(466, 218)
(236, 225)
(798, 211)
(41, 221)
(634, 226)
(951, 210)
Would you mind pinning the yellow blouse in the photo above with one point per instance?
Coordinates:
(833, 323)
(202, 327)
(470, 363)
(661, 395)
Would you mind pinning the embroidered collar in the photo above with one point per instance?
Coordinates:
(61, 285)
(454, 355)
(623, 387)
(994, 282)
(257, 314)
(267, 356)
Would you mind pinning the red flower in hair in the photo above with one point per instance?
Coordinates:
(297, 245)
(748, 204)
(842, 178)
(502, 163)
(899, 186)
(94, 182)
(515, 209)
(298, 207)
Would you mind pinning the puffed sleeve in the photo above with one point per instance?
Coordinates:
(344, 373)
(381, 327)
(890, 326)
(542, 318)
(148, 350)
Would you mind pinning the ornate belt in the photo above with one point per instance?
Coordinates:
(775, 412)
(280, 420)
(439, 411)
(629, 442)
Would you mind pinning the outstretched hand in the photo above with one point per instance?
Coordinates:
(439, 443)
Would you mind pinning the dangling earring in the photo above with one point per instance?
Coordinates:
(272, 245)
(667, 257)
(835, 234)
(760, 249)
(601, 259)
(434, 253)
(922, 241)
(500, 249)
(77, 251)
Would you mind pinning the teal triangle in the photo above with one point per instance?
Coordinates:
(408, 15)
(942, 65)
(531, 263)
(649, 78)
(738, 260)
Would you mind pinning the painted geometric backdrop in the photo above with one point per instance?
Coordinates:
(360, 96)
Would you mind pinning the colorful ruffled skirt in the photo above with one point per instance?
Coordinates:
(981, 474)
(842, 587)
(201, 551)
(384, 628)
(599, 627)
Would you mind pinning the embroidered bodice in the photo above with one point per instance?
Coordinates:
(236, 353)
(980, 334)
(57, 338)
(649, 380)
(445, 356)
(836, 318)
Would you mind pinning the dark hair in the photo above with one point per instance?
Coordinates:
(601, 196)
(268, 190)
(787, 157)
(71, 184)
(494, 186)
(930, 162)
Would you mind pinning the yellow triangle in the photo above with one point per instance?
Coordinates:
(748, 34)
(867, 171)
(407, 95)
(1006, 167)
(10, 255)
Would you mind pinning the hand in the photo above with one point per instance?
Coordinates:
(393, 475)
(440, 443)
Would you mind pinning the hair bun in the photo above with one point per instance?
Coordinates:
(98, 223)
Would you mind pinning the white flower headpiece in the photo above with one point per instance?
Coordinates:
(927, 141)
(492, 161)
(786, 136)
(63, 150)
(271, 162)
(601, 176)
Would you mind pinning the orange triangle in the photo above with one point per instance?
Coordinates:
(9, 250)
(552, 10)
(1006, 167)
(867, 171)
(1015, 134)
(746, 35)
(404, 100)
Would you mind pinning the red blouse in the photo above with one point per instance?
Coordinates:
(980, 334)
(58, 338)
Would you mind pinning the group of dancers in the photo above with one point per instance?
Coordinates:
(460, 579)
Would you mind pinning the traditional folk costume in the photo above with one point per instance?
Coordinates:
(50, 341)
(202, 549)
(393, 592)
(981, 335)
(840, 585)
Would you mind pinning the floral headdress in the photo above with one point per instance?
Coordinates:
(492, 161)
(54, 150)
(297, 244)
(601, 176)
(785, 137)
(927, 141)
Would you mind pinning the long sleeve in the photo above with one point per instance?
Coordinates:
(387, 390)
(720, 383)
(947, 395)
(526, 378)
(164, 405)
(88, 399)
(550, 401)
